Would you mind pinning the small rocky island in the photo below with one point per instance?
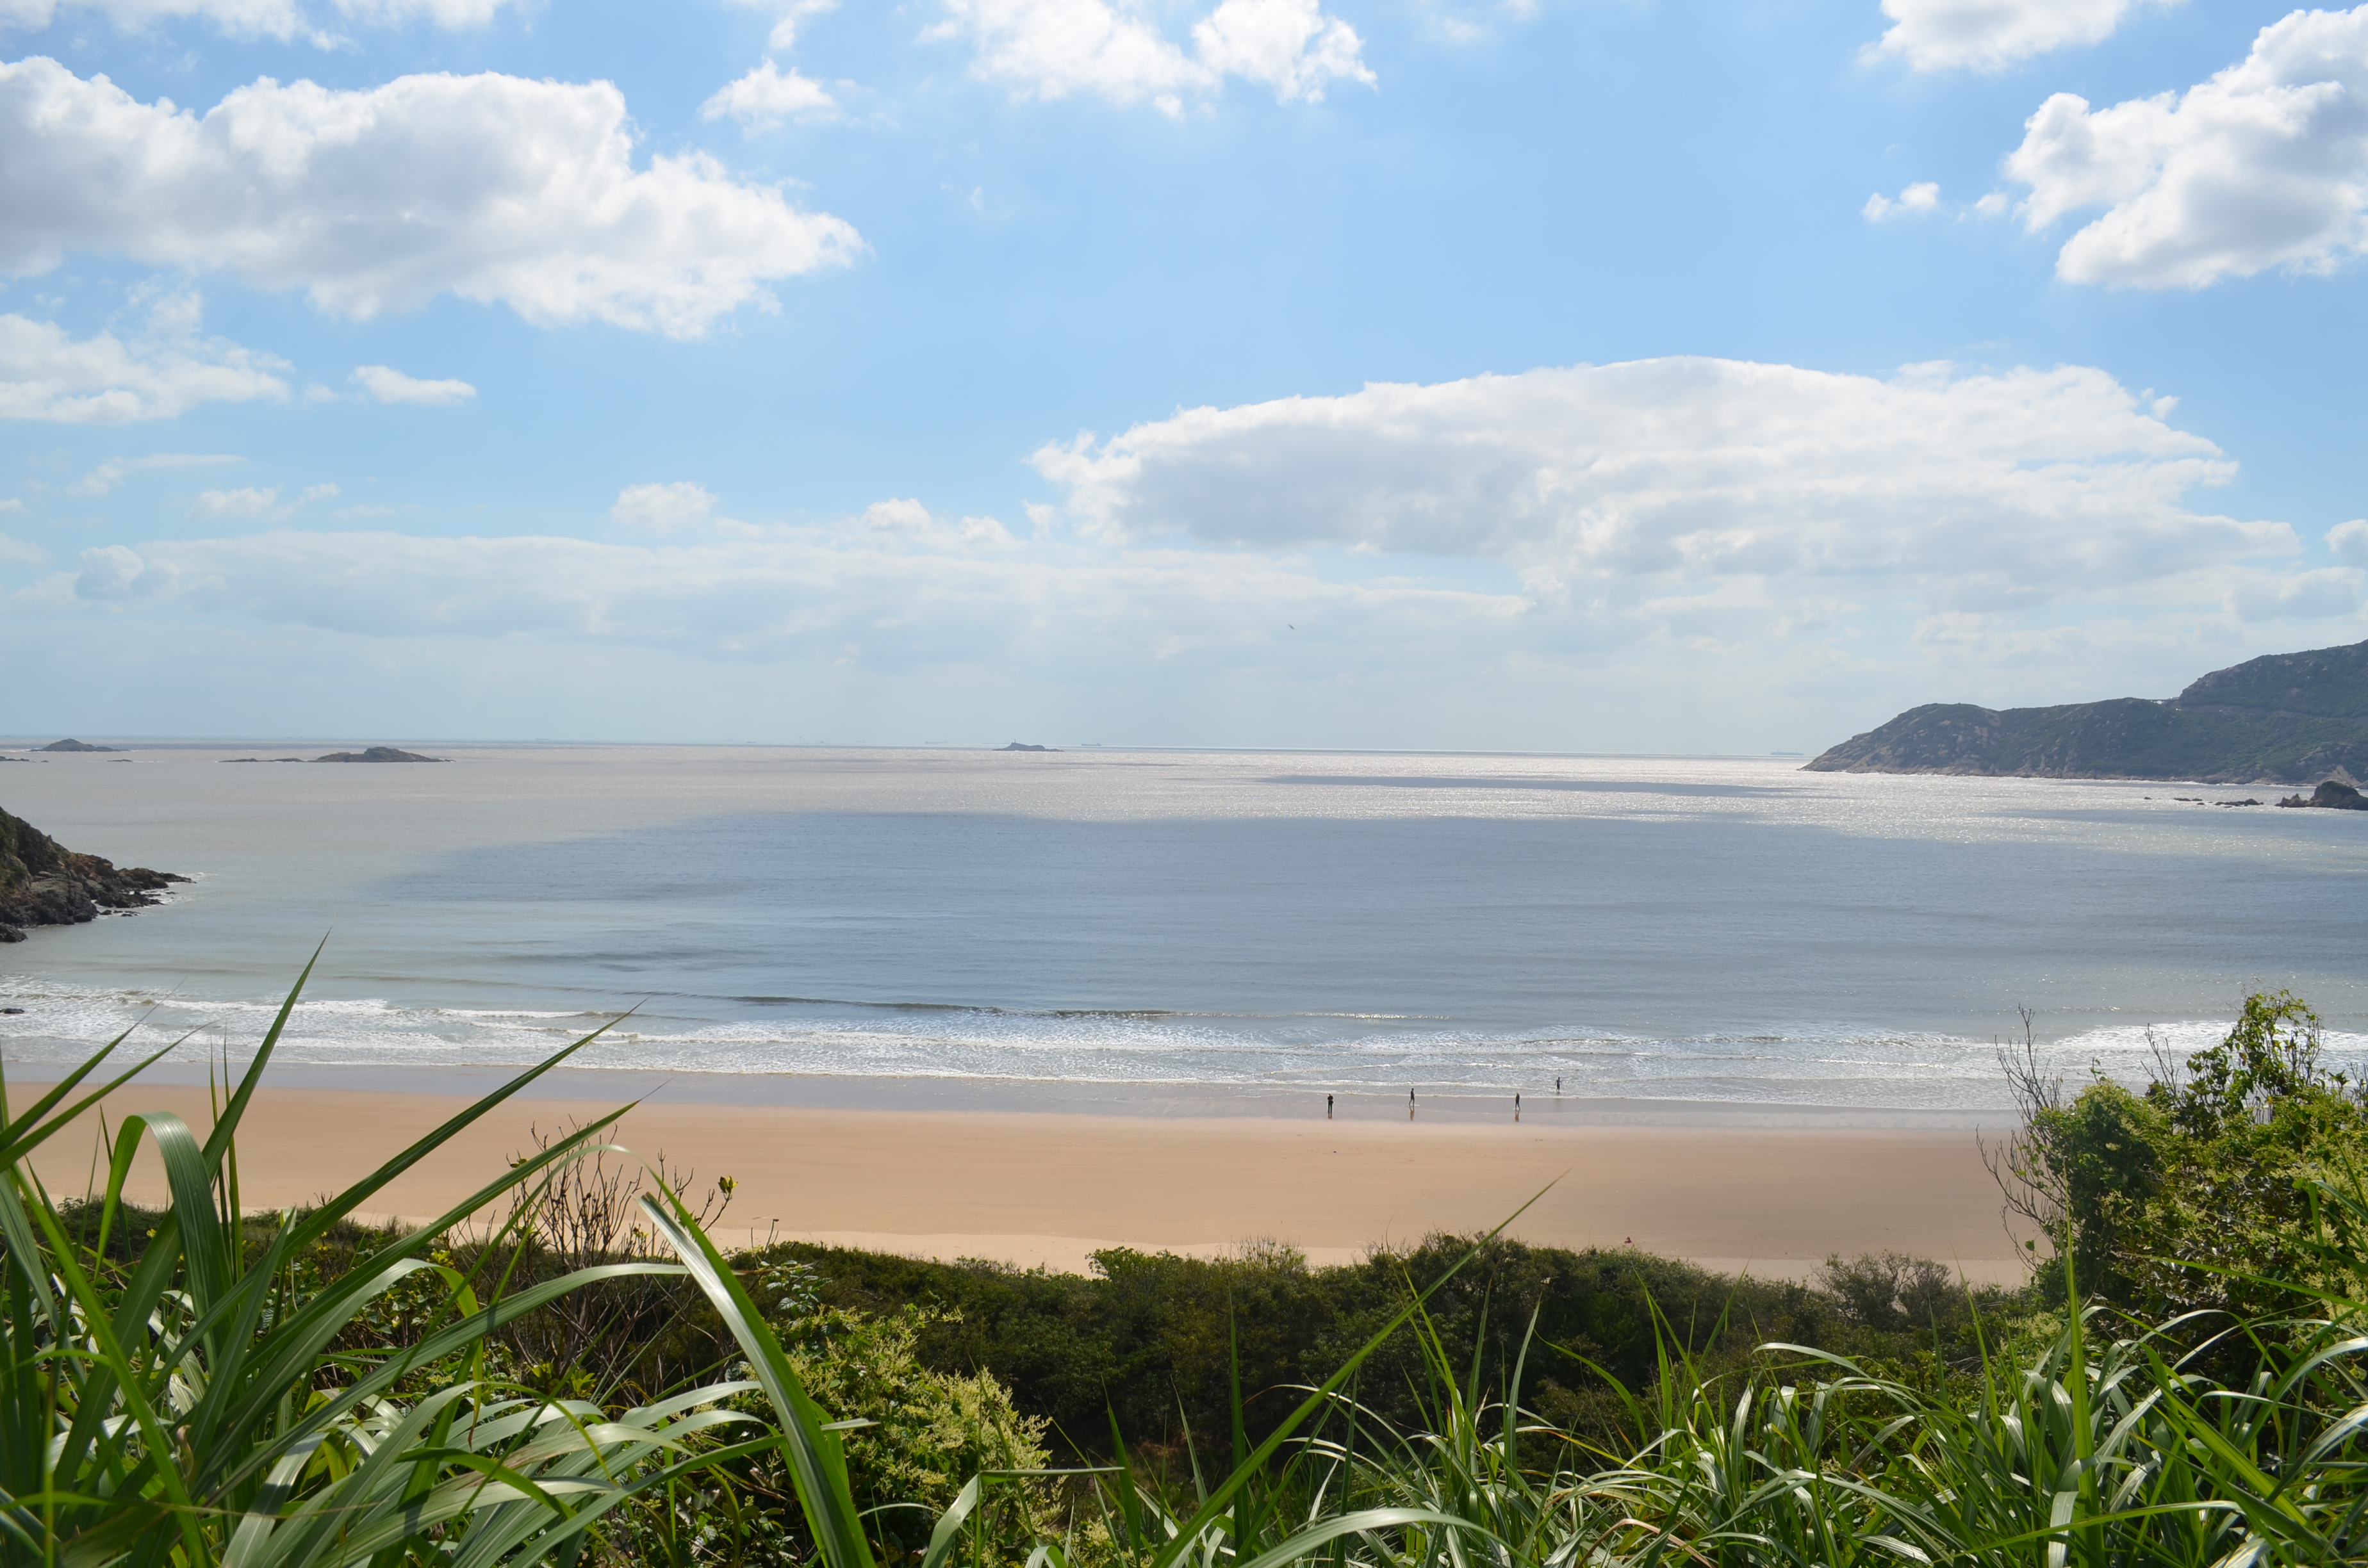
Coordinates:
(44, 883)
(379, 754)
(1023, 746)
(76, 745)
(2281, 718)
(2334, 795)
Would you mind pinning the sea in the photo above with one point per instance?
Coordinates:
(1147, 930)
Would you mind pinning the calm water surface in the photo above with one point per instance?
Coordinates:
(1727, 930)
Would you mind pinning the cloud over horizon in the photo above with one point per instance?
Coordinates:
(2011, 486)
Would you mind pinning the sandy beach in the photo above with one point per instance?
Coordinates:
(1048, 1188)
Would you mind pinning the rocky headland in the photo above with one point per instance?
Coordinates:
(2281, 718)
(44, 883)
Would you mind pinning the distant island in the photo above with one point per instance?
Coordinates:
(75, 746)
(44, 883)
(2281, 718)
(1022, 745)
(376, 754)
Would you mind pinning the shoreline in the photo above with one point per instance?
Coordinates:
(1045, 1189)
(956, 1096)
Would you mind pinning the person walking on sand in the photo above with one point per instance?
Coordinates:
(1410, 1105)
(1328, 1108)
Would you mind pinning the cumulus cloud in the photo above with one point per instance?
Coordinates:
(254, 504)
(282, 20)
(1109, 48)
(910, 522)
(1920, 201)
(116, 572)
(2349, 541)
(1987, 35)
(20, 553)
(663, 506)
(492, 187)
(48, 373)
(767, 96)
(392, 386)
(2265, 165)
(2015, 486)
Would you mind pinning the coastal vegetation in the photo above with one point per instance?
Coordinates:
(565, 1366)
(2284, 719)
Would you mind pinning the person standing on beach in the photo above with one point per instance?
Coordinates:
(1410, 1105)
(1328, 1108)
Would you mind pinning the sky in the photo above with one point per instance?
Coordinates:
(1696, 376)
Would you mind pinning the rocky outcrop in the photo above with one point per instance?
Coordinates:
(2284, 719)
(76, 745)
(42, 883)
(1022, 745)
(377, 754)
(2333, 795)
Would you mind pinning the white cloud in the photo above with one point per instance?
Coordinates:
(2265, 165)
(392, 386)
(255, 504)
(2329, 593)
(765, 96)
(2349, 541)
(788, 15)
(847, 595)
(492, 187)
(47, 373)
(1288, 45)
(663, 506)
(910, 522)
(1053, 49)
(117, 572)
(1987, 35)
(282, 20)
(2017, 486)
(13, 504)
(20, 553)
(114, 470)
(241, 505)
(1919, 200)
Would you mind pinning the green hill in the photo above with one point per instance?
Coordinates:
(2281, 718)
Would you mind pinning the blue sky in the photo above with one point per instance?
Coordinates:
(1618, 375)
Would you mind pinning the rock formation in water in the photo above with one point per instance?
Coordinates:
(1022, 745)
(2282, 719)
(76, 745)
(2333, 795)
(376, 754)
(42, 883)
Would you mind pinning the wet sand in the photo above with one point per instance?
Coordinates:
(1049, 1188)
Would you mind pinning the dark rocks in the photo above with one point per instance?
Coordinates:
(42, 883)
(2236, 803)
(377, 754)
(76, 745)
(2333, 795)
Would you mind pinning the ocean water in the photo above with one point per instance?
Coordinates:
(1728, 931)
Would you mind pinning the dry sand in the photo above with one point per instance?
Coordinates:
(1049, 1188)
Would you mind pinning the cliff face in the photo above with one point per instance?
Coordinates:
(44, 883)
(2284, 719)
